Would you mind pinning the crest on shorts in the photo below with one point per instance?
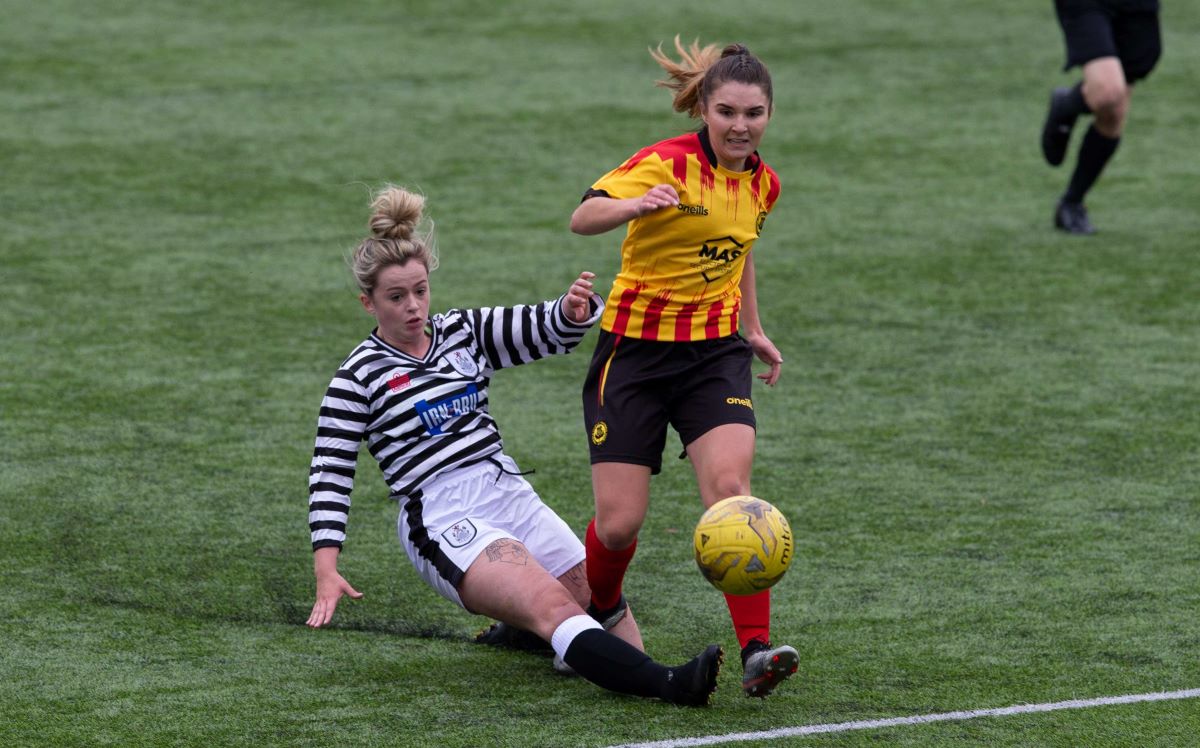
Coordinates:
(460, 533)
(463, 363)
(599, 433)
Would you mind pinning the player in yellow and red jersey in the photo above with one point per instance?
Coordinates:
(681, 267)
(681, 325)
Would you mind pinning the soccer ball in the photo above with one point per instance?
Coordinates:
(743, 545)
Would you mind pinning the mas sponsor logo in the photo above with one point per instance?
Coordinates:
(716, 257)
(434, 415)
(460, 533)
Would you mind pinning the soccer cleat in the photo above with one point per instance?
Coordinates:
(1073, 218)
(765, 667)
(500, 634)
(1056, 133)
(606, 618)
(693, 684)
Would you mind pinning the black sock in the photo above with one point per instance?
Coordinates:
(1094, 153)
(614, 664)
(1076, 104)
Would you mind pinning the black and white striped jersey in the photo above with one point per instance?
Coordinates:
(424, 417)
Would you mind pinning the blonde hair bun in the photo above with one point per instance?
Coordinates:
(399, 233)
(395, 213)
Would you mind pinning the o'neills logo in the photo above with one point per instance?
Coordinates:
(692, 210)
(740, 401)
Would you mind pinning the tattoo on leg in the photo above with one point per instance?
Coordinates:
(575, 580)
(507, 551)
(575, 576)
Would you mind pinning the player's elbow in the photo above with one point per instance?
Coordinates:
(593, 216)
(580, 225)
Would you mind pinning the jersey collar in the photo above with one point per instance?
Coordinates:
(433, 343)
(753, 162)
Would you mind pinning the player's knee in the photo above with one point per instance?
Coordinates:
(616, 535)
(1108, 100)
(554, 607)
(727, 485)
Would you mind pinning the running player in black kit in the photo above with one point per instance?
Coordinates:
(1116, 43)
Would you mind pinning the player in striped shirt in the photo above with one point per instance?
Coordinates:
(670, 351)
(416, 390)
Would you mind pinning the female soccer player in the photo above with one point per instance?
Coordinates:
(417, 391)
(670, 351)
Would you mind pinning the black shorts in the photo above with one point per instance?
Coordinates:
(1125, 29)
(635, 388)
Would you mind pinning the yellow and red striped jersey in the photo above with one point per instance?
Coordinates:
(681, 267)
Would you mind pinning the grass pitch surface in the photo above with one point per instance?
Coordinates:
(985, 438)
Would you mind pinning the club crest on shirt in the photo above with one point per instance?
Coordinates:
(460, 533)
(462, 363)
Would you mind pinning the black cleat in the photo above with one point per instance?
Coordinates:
(500, 634)
(1073, 218)
(693, 684)
(766, 667)
(1056, 133)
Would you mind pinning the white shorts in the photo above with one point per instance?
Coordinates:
(448, 523)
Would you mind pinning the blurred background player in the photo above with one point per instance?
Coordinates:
(669, 351)
(1116, 43)
(417, 391)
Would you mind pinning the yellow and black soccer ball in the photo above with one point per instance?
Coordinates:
(743, 545)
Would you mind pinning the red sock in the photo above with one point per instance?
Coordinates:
(751, 616)
(605, 568)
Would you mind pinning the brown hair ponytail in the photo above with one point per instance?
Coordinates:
(702, 70)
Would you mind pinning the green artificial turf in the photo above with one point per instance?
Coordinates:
(985, 438)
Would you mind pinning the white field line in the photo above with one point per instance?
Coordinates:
(871, 724)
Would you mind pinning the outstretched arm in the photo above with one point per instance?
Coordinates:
(330, 586)
(752, 326)
(599, 214)
(577, 302)
(511, 336)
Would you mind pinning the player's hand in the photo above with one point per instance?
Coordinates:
(579, 297)
(768, 354)
(330, 588)
(656, 198)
